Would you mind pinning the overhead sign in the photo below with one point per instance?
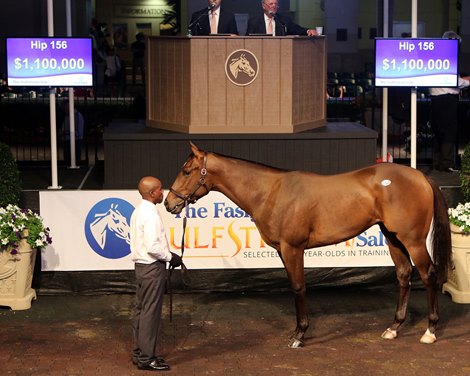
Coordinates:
(141, 11)
(408, 62)
(49, 62)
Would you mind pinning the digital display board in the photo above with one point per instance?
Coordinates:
(416, 62)
(49, 62)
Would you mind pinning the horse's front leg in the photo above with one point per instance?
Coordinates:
(293, 259)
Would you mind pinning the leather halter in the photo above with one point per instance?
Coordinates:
(186, 199)
(201, 183)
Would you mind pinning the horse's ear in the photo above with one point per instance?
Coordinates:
(195, 149)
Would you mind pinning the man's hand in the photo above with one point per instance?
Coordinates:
(176, 260)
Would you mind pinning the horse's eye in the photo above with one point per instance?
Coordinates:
(186, 172)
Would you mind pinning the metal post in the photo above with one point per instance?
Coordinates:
(73, 158)
(385, 92)
(414, 112)
(52, 106)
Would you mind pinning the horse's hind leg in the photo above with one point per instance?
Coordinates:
(428, 275)
(294, 263)
(403, 271)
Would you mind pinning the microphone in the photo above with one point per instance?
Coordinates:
(196, 22)
(276, 18)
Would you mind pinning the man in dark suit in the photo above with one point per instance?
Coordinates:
(213, 20)
(271, 22)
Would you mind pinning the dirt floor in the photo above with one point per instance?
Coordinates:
(237, 334)
(233, 334)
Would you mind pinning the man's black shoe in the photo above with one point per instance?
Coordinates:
(157, 364)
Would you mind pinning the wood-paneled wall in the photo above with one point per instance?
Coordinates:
(188, 91)
(133, 150)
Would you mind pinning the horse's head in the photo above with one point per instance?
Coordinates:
(112, 221)
(118, 224)
(190, 183)
(245, 66)
(241, 64)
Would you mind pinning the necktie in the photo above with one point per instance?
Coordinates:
(214, 23)
(270, 26)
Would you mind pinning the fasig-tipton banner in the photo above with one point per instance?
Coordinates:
(90, 231)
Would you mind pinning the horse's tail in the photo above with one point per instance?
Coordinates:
(441, 241)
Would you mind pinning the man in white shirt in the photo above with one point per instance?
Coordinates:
(273, 23)
(150, 252)
(445, 121)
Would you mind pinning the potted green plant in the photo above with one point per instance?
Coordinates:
(22, 234)
(10, 183)
(465, 174)
(459, 217)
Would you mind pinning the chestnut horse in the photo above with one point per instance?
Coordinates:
(295, 210)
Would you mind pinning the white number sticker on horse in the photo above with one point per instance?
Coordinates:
(386, 182)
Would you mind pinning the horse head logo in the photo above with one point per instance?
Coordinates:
(241, 67)
(241, 64)
(107, 228)
(111, 221)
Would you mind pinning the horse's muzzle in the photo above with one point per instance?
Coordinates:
(176, 209)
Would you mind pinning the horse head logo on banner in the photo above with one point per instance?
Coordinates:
(241, 67)
(107, 228)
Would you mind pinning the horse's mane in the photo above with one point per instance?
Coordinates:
(258, 164)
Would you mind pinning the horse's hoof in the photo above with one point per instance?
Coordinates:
(295, 343)
(428, 337)
(389, 334)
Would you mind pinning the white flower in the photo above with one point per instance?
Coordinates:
(460, 216)
(13, 223)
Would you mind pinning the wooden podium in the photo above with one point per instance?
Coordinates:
(224, 84)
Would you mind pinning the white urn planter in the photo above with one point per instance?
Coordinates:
(458, 278)
(16, 277)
